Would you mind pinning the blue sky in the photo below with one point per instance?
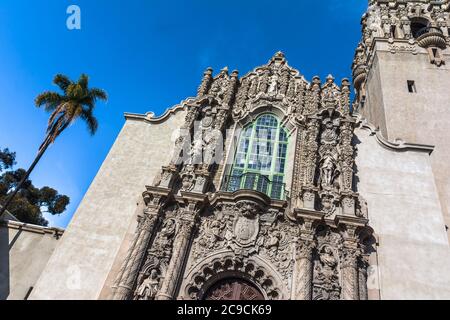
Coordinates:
(148, 55)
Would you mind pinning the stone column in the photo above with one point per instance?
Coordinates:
(349, 268)
(176, 264)
(304, 271)
(136, 253)
(363, 264)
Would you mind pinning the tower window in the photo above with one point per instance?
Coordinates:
(412, 86)
(419, 26)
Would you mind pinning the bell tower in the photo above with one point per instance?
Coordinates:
(401, 75)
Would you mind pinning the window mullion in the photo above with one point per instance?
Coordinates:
(249, 152)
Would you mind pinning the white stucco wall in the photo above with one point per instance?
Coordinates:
(79, 267)
(405, 212)
(24, 251)
(420, 117)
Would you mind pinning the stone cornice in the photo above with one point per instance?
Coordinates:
(56, 232)
(399, 146)
(150, 117)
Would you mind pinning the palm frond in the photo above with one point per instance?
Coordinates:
(98, 94)
(50, 100)
(62, 81)
(83, 81)
(91, 121)
(75, 92)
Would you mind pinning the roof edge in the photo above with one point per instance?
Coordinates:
(150, 117)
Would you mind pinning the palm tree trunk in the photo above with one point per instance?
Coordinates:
(11, 196)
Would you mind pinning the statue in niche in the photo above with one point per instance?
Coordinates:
(328, 260)
(162, 245)
(326, 280)
(196, 152)
(210, 141)
(361, 208)
(374, 21)
(328, 170)
(149, 287)
(177, 152)
(273, 85)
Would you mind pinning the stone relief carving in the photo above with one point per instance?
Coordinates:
(253, 268)
(149, 287)
(326, 275)
(326, 278)
(277, 246)
(158, 257)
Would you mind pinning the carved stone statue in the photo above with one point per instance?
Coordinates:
(326, 279)
(362, 210)
(328, 171)
(273, 85)
(374, 21)
(149, 287)
(162, 246)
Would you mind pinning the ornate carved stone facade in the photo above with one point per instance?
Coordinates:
(195, 235)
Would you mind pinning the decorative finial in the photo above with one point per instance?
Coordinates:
(279, 54)
(278, 58)
(209, 70)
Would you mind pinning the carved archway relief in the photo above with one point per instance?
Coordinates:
(224, 264)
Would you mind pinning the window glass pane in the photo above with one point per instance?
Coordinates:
(283, 135)
(248, 132)
(263, 184)
(250, 181)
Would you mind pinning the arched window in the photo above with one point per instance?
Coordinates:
(260, 159)
(419, 26)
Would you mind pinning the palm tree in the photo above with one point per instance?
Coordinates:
(76, 101)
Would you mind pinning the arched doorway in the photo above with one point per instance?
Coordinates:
(233, 289)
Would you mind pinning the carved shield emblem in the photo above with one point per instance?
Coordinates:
(246, 230)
